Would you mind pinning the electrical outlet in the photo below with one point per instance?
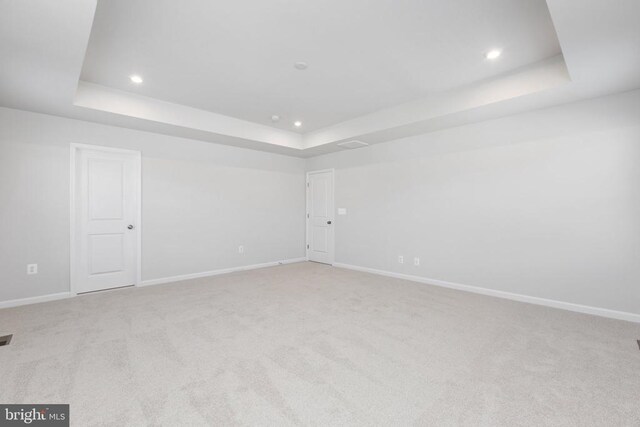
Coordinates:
(241, 249)
(416, 261)
(32, 268)
(400, 259)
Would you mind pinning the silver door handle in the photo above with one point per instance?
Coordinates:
(130, 226)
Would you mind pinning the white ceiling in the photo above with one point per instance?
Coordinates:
(236, 57)
(379, 70)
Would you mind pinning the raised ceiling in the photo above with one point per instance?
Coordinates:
(379, 70)
(236, 57)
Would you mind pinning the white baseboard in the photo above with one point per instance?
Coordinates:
(596, 311)
(603, 312)
(217, 272)
(35, 300)
(63, 295)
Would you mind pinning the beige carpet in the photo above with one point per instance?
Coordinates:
(307, 344)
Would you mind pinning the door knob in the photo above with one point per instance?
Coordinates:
(130, 227)
(329, 222)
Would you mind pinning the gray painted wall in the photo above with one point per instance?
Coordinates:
(200, 202)
(544, 204)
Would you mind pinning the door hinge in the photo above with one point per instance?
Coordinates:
(307, 215)
(307, 184)
(307, 246)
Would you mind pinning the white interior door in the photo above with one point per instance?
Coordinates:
(320, 219)
(107, 218)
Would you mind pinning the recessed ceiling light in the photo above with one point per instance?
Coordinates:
(493, 54)
(301, 65)
(275, 118)
(297, 124)
(135, 78)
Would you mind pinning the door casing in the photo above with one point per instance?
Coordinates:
(308, 219)
(74, 149)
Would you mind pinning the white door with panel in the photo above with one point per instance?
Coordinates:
(107, 215)
(320, 219)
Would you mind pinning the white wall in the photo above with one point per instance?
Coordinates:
(544, 204)
(200, 201)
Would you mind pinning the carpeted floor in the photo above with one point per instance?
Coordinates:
(308, 344)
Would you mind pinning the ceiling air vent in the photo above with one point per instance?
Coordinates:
(350, 145)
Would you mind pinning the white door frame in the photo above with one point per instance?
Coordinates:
(73, 150)
(331, 229)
